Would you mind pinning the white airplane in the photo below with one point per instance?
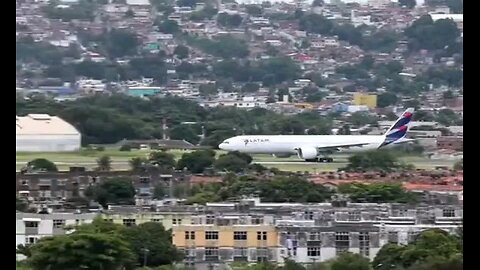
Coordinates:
(311, 147)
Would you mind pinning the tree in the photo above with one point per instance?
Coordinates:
(424, 33)
(439, 263)
(181, 51)
(292, 189)
(386, 99)
(282, 68)
(381, 40)
(431, 246)
(153, 237)
(206, 13)
(162, 160)
(230, 162)
(408, 3)
(42, 164)
(184, 132)
(167, 26)
(388, 257)
(373, 160)
(348, 32)
(112, 191)
(250, 87)
(229, 21)
(315, 23)
(21, 205)
(138, 164)
(104, 163)
(448, 117)
(361, 118)
(81, 251)
(129, 13)
(24, 250)
(121, 43)
(209, 89)
(350, 261)
(456, 6)
(197, 161)
(254, 10)
(377, 193)
(225, 46)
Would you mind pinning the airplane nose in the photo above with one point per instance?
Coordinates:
(221, 146)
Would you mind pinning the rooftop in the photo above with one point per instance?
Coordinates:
(43, 124)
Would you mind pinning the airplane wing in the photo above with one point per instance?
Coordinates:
(336, 146)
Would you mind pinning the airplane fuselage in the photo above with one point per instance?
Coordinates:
(289, 144)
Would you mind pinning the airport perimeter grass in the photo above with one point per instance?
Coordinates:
(87, 158)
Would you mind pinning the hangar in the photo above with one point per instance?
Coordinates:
(45, 133)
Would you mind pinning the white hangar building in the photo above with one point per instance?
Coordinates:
(45, 133)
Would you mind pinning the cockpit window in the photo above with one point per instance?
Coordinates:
(226, 142)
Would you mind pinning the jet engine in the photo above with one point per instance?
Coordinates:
(307, 152)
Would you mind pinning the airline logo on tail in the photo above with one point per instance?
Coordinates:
(399, 129)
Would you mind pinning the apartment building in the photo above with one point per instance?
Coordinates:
(31, 227)
(217, 234)
(212, 243)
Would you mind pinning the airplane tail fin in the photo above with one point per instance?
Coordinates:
(398, 130)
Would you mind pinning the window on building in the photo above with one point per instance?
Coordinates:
(411, 236)
(261, 235)
(210, 235)
(342, 242)
(176, 221)
(129, 222)
(189, 253)
(354, 216)
(313, 252)
(30, 240)
(190, 235)
(58, 223)
(240, 254)
(262, 254)
(308, 215)
(31, 224)
(257, 220)
(448, 212)
(239, 235)
(314, 236)
(210, 219)
(364, 242)
(211, 253)
(156, 220)
(393, 237)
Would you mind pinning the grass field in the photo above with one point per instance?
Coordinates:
(87, 158)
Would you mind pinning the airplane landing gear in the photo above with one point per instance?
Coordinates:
(320, 159)
(325, 159)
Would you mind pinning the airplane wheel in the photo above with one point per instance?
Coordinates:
(325, 160)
